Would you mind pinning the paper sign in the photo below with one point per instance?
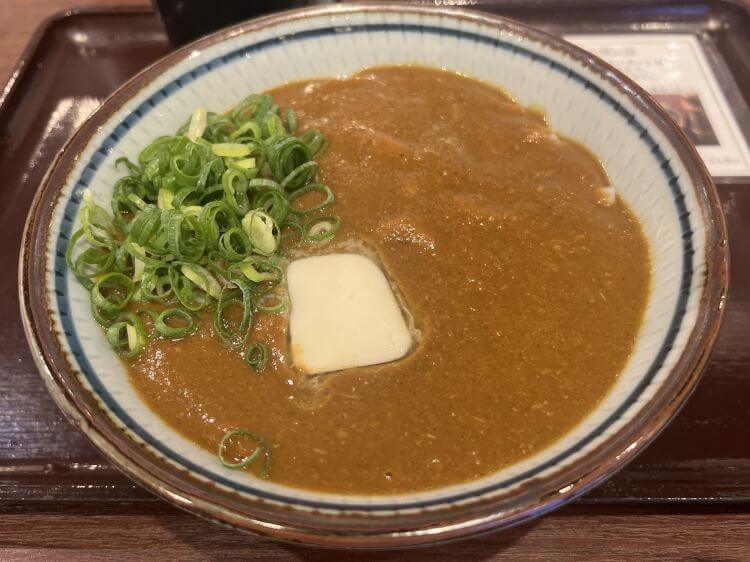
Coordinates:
(673, 68)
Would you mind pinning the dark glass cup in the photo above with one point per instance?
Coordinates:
(186, 20)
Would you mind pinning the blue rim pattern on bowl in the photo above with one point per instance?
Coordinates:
(71, 207)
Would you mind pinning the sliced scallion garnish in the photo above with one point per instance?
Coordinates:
(245, 163)
(321, 228)
(261, 448)
(262, 231)
(256, 356)
(230, 149)
(112, 292)
(311, 188)
(260, 270)
(272, 303)
(198, 122)
(196, 224)
(127, 336)
(174, 323)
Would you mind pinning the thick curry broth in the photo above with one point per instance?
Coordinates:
(528, 293)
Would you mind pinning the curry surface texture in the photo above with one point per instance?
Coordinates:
(529, 295)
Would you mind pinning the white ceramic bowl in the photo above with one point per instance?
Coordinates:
(650, 162)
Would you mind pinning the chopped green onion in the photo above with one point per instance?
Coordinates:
(139, 265)
(261, 448)
(145, 224)
(291, 120)
(91, 263)
(257, 356)
(196, 224)
(311, 188)
(191, 295)
(300, 175)
(187, 326)
(246, 163)
(288, 155)
(102, 318)
(265, 304)
(235, 191)
(321, 228)
(259, 271)
(192, 210)
(260, 183)
(96, 223)
(198, 122)
(230, 149)
(185, 238)
(234, 332)
(235, 245)
(275, 126)
(216, 218)
(112, 292)
(135, 200)
(250, 126)
(315, 141)
(202, 277)
(132, 168)
(274, 203)
(138, 252)
(217, 265)
(156, 285)
(262, 231)
(165, 198)
(127, 336)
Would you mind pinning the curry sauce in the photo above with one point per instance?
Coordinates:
(527, 291)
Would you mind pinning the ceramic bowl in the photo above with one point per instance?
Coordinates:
(651, 163)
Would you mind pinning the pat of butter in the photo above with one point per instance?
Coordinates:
(344, 314)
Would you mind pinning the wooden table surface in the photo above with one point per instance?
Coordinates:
(160, 532)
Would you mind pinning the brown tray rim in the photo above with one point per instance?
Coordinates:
(21, 67)
(17, 78)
